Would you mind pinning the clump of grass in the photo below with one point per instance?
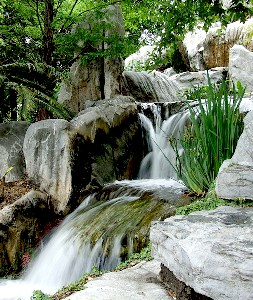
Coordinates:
(216, 125)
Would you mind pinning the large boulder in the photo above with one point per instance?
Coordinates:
(208, 252)
(241, 66)
(22, 225)
(11, 148)
(98, 146)
(99, 78)
(235, 177)
(218, 42)
(111, 131)
(47, 150)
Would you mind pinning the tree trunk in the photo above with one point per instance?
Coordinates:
(48, 44)
(48, 48)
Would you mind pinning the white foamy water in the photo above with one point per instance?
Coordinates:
(160, 162)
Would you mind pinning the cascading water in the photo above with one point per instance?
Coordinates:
(102, 229)
(160, 162)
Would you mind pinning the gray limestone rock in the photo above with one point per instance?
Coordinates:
(210, 251)
(235, 176)
(137, 283)
(241, 66)
(47, 153)
(98, 146)
(11, 143)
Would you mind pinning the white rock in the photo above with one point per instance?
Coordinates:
(235, 177)
(210, 251)
(241, 66)
(48, 159)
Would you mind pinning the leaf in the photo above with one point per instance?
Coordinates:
(7, 171)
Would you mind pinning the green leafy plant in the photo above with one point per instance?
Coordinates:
(39, 295)
(216, 125)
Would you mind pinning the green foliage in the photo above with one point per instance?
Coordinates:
(145, 254)
(209, 202)
(216, 125)
(38, 295)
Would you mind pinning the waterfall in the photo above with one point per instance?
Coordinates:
(152, 86)
(110, 224)
(160, 162)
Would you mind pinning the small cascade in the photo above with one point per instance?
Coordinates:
(160, 162)
(105, 228)
(152, 86)
(113, 223)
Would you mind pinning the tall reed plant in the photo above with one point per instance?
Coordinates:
(216, 125)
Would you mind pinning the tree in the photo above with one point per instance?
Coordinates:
(171, 19)
(38, 44)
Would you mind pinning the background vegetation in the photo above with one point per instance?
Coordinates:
(37, 42)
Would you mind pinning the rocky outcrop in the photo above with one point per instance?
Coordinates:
(22, 225)
(98, 146)
(235, 177)
(99, 78)
(209, 251)
(159, 87)
(211, 49)
(241, 66)
(218, 42)
(111, 132)
(11, 143)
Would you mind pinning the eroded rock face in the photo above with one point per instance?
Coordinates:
(235, 177)
(100, 78)
(11, 148)
(111, 132)
(218, 42)
(210, 251)
(205, 50)
(21, 227)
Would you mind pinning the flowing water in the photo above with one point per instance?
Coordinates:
(109, 225)
(160, 162)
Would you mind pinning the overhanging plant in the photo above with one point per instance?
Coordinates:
(216, 125)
